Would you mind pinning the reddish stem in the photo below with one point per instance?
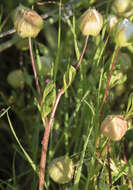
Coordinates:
(108, 158)
(107, 85)
(34, 71)
(83, 52)
(49, 125)
(46, 139)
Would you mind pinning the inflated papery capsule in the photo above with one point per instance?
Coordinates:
(124, 33)
(120, 6)
(61, 170)
(111, 22)
(27, 22)
(91, 22)
(114, 127)
(16, 78)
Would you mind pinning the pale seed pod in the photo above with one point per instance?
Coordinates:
(114, 127)
(27, 22)
(124, 33)
(112, 21)
(16, 78)
(120, 6)
(91, 22)
(61, 170)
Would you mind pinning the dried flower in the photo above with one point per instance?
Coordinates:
(61, 169)
(114, 127)
(91, 22)
(27, 22)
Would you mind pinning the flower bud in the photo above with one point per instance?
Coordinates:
(112, 21)
(61, 169)
(16, 78)
(27, 22)
(124, 33)
(91, 22)
(120, 6)
(114, 127)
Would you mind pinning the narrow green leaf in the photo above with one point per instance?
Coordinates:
(129, 111)
(48, 100)
(69, 77)
(21, 147)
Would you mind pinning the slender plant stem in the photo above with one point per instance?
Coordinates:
(83, 52)
(49, 125)
(46, 139)
(34, 71)
(107, 84)
(108, 158)
(105, 94)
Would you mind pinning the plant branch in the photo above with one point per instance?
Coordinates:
(34, 71)
(46, 140)
(107, 85)
(83, 52)
(49, 125)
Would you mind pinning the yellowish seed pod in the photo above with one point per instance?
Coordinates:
(120, 6)
(16, 78)
(91, 22)
(27, 22)
(61, 170)
(124, 33)
(114, 127)
(112, 21)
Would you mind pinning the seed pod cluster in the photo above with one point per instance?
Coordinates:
(27, 22)
(114, 127)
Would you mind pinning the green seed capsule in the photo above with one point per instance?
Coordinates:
(91, 22)
(27, 22)
(120, 6)
(61, 170)
(124, 33)
(16, 78)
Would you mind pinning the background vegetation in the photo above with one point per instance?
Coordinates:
(76, 123)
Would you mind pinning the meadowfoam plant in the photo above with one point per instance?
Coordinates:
(66, 95)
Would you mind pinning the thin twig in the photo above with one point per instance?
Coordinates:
(49, 125)
(108, 158)
(83, 52)
(34, 71)
(9, 32)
